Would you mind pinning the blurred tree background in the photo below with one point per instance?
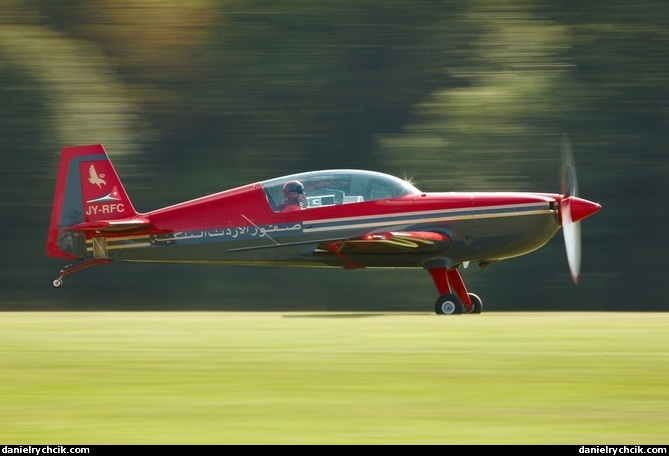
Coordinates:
(190, 98)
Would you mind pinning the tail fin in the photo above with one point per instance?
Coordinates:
(89, 196)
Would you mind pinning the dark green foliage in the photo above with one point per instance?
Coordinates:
(458, 95)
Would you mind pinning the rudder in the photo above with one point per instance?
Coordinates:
(88, 190)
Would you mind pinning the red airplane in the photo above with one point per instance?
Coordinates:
(343, 218)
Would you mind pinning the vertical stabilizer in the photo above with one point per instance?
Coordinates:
(87, 190)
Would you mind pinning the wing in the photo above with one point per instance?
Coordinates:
(386, 242)
(390, 242)
(381, 242)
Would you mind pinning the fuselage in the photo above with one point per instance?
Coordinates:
(242, 226)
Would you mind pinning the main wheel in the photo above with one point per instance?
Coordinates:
(477, 304)
(448, 304)
(57, 283)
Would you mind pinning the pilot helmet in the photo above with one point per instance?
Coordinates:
(293, 187)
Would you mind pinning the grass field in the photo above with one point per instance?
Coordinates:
(334, 378)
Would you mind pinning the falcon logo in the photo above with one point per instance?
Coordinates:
(95, 178)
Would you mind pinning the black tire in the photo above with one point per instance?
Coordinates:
(448, 304)
(477, 304)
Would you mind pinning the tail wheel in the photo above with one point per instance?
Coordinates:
(449, 304)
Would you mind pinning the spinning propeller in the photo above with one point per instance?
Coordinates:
(572, 210)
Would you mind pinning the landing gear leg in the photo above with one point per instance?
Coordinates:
(69, 269)
(453, 293)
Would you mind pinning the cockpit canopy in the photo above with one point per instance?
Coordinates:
(340, 186)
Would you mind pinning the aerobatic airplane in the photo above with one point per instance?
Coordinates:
(330, 218)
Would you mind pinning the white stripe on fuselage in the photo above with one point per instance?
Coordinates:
(413, 218)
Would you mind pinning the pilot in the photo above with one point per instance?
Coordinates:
(294, 193)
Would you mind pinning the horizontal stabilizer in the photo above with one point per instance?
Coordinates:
(112, 226)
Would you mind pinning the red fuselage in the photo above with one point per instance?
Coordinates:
(239, 227)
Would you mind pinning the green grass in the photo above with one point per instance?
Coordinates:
(340, 378)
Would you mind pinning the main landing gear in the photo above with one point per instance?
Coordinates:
(69, 269)
(454, 297)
